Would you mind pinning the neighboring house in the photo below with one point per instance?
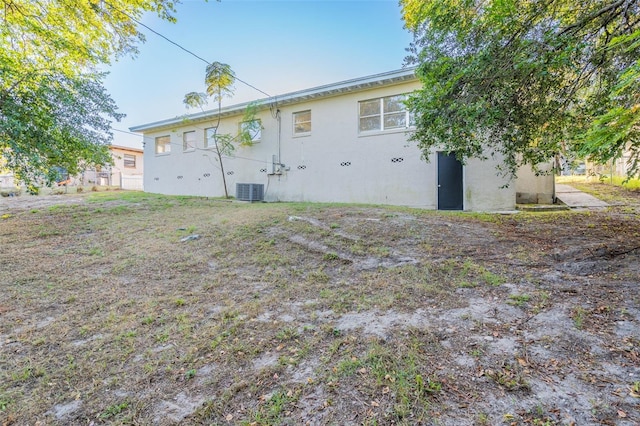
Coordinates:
(126, 171)
(128, 166)
(344, 142)
(6, 180)
(6, 177)
(617, 167)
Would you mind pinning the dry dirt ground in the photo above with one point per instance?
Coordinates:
(129, 308)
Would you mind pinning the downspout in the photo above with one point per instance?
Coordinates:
(279, 118)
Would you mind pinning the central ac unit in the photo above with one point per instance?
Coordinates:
(250, 191)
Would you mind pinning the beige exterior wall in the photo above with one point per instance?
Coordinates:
(334, 163)
(485, 188)
(119, 168)
(532, 189)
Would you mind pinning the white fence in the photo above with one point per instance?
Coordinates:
(133, 182)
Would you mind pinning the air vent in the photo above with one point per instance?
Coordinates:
(250, 191)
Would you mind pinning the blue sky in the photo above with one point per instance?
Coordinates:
(276, 46)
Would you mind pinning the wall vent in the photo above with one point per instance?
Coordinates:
(249, 191)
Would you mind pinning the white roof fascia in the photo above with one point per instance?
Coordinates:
(362, 83)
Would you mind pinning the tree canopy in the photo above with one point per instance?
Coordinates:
(54, 110)
(527, 79)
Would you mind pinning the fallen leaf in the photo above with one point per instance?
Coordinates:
(522, 362)
(374, 404)
(386, 390)
(229, 417)
(362, 371)
(622, 413)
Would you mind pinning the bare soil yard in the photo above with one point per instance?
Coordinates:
(131, 308)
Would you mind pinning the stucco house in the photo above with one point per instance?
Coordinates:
(128, 167)
(126, 171)
(342, 142)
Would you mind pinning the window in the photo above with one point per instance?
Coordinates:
(302, 123)
(163, 145)
(209, 134)
(254, 128)
(189, 141)
(130, 161)
(384, 114)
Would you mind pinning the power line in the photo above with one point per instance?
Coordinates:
(130, 133)
(183, 48)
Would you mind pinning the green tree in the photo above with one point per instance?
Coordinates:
(54, 110)
(527, 79)
(219, 80)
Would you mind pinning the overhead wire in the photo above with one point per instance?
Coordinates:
(182, 47)
(272, 107)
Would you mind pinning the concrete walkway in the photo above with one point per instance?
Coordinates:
(577, 199)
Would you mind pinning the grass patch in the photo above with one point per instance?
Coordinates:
(519, 299)
(397, 372)
(351, 312)
(579, 316)
(114, 411)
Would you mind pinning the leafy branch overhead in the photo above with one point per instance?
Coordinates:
(527, 79)
(54, 110)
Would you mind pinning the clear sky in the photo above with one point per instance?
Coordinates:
(277, 46)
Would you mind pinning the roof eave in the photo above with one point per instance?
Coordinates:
(354, 85)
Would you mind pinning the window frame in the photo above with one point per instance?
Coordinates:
(166, 150)
(383, 114)
(127, 159)
(295, 123)
(186, 147)
(214, 131)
